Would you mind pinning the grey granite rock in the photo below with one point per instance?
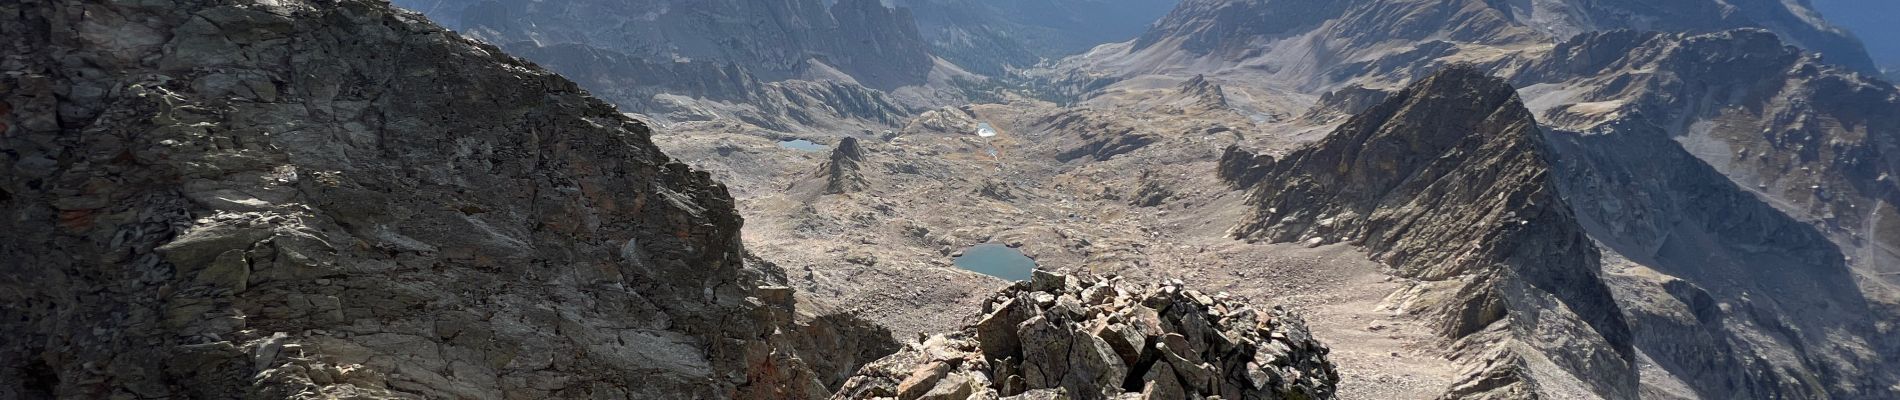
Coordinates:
(1065, 355)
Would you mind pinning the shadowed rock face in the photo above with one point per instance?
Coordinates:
(1099, 338)
(225, 199)
(1449, 183)
(1819, 141)
(1724, 166)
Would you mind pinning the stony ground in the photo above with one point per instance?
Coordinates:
(1152, 213)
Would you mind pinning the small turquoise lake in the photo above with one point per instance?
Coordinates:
(997, 260)
(803, 145)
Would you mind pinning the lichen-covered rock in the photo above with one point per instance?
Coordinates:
(1058, 336)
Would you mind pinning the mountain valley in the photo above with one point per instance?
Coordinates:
(1364, 199)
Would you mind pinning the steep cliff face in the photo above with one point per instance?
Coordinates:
(1449, 183)
(839, 174)
(220, 199)
(1728, 297)
(1740, 189)
(1822, 143)
(1724, 167)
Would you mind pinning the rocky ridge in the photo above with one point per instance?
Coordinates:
(1814, 138)
(1449, 182)
(1062, 336)
(1773, 161)
(841, 173)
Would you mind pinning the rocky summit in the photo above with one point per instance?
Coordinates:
(1064, 336)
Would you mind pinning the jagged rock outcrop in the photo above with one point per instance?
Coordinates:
(1060, 336)
(1723, 166)
(1449, 183)
(1813, 137)
(335, 198)
(841, 171)
(1708, 249)
(1205, 94)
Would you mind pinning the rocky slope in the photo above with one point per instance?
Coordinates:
(1449, 183)
(1731, 167)
(218, 199)
(1816, 141)
(1058, 336)
(842, 173)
